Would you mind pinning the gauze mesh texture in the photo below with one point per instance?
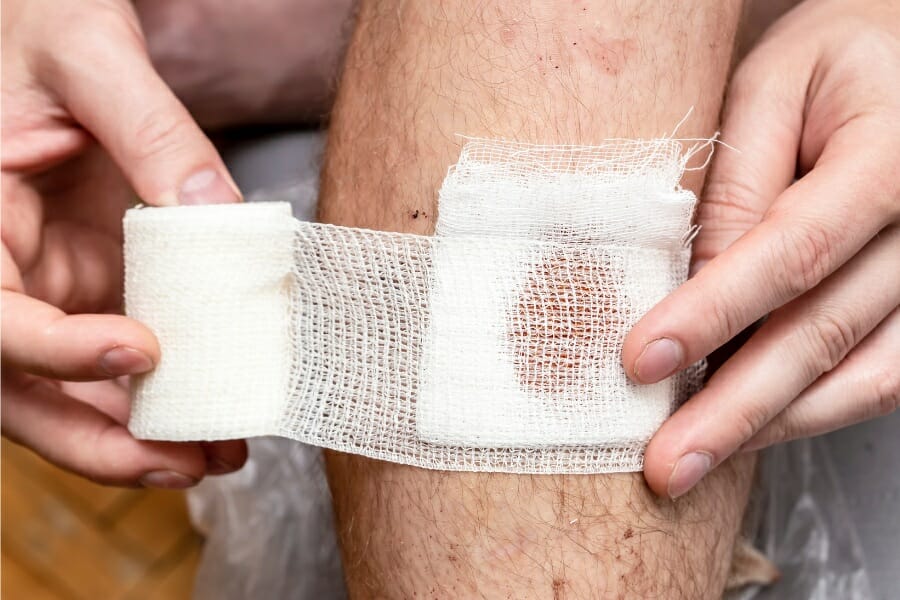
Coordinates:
(493, 345)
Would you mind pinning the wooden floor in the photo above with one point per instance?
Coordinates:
(64, 538)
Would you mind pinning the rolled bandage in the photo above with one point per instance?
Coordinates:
(493, 345)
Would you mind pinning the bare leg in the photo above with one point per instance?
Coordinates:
(575, 72)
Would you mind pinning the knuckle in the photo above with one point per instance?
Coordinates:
(793, 424)
(803, 257)
(725, 321)
(100, 467)
(886, 384)
(729, 201)
(828, 339)
(158, 132)
(750, 420)
(774, 433)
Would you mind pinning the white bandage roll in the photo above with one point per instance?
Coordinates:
(493, 345)
(213, 283)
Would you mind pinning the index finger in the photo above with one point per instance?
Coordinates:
(103, 75)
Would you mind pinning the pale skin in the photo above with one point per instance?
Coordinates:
(817, 97)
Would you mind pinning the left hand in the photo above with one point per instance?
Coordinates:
(818, 98)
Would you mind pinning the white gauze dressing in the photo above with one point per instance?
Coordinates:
(493, 345)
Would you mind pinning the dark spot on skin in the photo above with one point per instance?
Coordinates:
(629, 533)
(558, 585)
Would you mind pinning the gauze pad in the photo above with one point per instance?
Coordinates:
(493, 345)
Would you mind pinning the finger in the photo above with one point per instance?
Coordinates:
(74, 266)
(77, 437)
(39, 338)
(22, 206)
(864, 386)
(103, 75)
(763, 120)
(811, 230)
(224, 456)
(79, 269)
(791, 350)
(111, 398)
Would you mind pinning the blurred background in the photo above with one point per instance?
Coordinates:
(65, 538)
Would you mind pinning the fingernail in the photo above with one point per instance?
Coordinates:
(122, 360)
(689, 470)
(206, 187)
(659, 359)
(217, 466)
(167, 480)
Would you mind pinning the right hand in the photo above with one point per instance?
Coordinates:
(78, 90)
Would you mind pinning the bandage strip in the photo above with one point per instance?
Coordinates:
(493, 345)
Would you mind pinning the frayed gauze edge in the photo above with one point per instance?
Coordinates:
(493, 345)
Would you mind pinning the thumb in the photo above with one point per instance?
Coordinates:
(106, 81)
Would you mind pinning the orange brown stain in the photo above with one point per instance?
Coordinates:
(555, 319)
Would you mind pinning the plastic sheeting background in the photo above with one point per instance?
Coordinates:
(270, 530)
(799, 518)
(270, 534)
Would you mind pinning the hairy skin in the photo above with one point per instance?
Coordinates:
(417, 73)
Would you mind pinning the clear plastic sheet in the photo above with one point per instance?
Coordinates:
(802, 523)
(269, 528)
(270, 534)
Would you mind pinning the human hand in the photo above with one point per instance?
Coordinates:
(77, 89)
(818, 98)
